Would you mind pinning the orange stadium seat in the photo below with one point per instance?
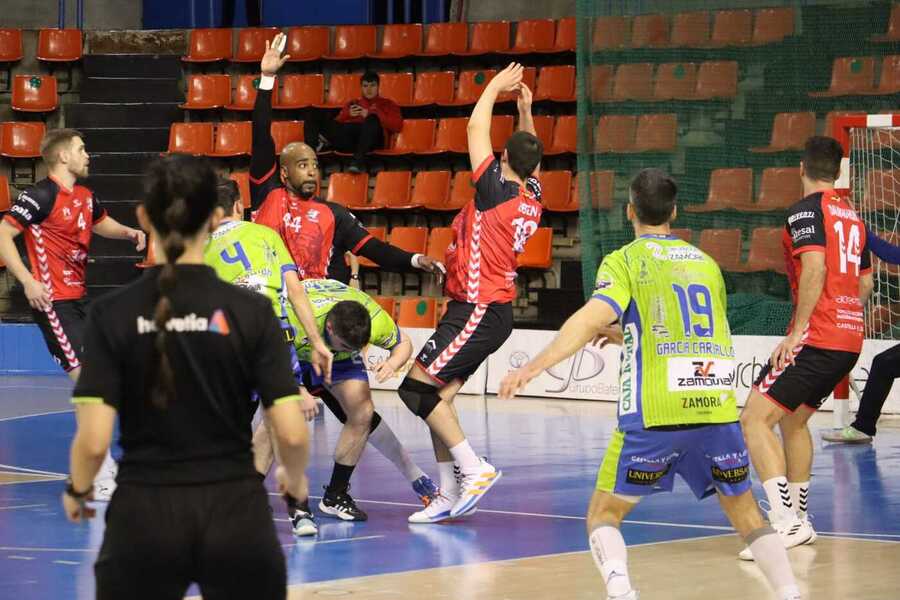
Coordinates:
(650, 31)
(417, 135)
(893, 32)
(59, 45)
(417, 313)
(766, 253)
(675, 81)
(350, 190)
(286, 132)
(432, 190)
(300, 91)
(602, 77)
(433, 87)
(393, 190)
(251, 43)
(717, 79)
(685, 234)
(656, 133)
(242, 179)
(603, 189)
(610, 33)
(208, 45)
(34, 93)
(399, 41)
(388, 304)
(469, 86)
(446, 38)
(439, 239)
(4, 197)
(502, 127)
(732, 28)
(538, 253)
(20, 139)
(565, 135)
(543, 127)
(411, 239)
(534, 35)
(397, 87)
(379, 233)
(780, 187)
(206, 92)
(889, 82)
(850, 75)
(342, 88)
(633, 81)
(307, 43)
(352, 42)
(790, 132)
(244, 95)
(724, 246)
(690, 30)
(772, 25)
(451, 136)
(191, 138)
(232, 138)
(462, 191)
(556, 191)
(566, 35)
(556, 83)
(11, 45)
(728, 188)
(615, 133)
(488, 37)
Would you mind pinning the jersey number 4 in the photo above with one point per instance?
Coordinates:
(239, 256)
(849, 245)
(695, 301)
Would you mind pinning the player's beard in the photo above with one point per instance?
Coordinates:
(307, 189)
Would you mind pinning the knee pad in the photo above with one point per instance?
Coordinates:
(419, 397)
(376, 421)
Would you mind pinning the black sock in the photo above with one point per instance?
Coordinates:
(293, 504)
(340, 478)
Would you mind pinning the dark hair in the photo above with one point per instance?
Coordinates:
(350, 321)
(52, 141)
(179, 196)
(822, 158)
(370, 76)
(227, 193)
(524, 152)
(653, 194)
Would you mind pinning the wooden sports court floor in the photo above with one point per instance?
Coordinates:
(526, 541)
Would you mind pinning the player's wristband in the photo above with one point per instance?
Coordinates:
(75, 494)
(266, 82)
(354, 276)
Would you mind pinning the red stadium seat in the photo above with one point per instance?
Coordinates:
(307, 43)
(772, 25)
(208, 45)
(543, 127)
(4, 199)
(633, 81)
(379, 233)
(566, 35)
(610, 33)
(350, 190)
(446, 38)
(556, 83)
(717, 79)
(342, 88)
(439, 239)
(766, 253)
(780, 187)
(451, 136)
(432, 190)
(470, 84)
(690, 30)
(893, 32)
(534, 35)
(684, 234)
(602, 77)
(59, 45)
(300, 91)
(603, 189)
(502, 127)
(790, 132)
(615, 133)
(352, 42)
(418, 313)
(397, 87)
(388, 304)
(732, 28)
(538, 253)
(251, 43)
(488, 37)
(191, 138)
(724, 246)
(675, 81)
(462, 191)
(565, 135)
(889, 83)
(529, 78)
(286, 132)
(728, 188)
(850, 75)
(232, 138)
(411, 239)
(10, 45)
(34, 93)
(417, 135)
(206, 92)
(398, 41)
(21, 140)
(650, 31)
(656, 133)
(244, 95)
(556, 191)
(242, 179)
(393, 190)
(433, 87)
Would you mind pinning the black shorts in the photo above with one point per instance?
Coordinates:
(160, 539)
(466, 335)
(63, 331)
(809, 380)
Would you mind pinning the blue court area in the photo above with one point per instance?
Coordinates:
(549, 452)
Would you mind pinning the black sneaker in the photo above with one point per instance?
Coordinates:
(341, 506)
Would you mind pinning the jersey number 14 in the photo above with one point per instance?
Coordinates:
(849, 246)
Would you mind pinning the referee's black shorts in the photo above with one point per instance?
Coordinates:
(160, 539)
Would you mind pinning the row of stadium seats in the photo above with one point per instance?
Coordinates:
(855, 76)
(398, 41)
(648, 82)
(54, 45)
(724, 245)
(412, 311)
(204, 92)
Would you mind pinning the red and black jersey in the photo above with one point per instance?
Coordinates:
(826, 222)
(488, 234)
(57, 225)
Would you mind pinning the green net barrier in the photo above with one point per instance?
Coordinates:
(695, 87)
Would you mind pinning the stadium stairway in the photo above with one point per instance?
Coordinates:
(126, 105)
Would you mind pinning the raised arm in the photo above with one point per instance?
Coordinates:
(883, 249)
(523, 102)
(479, 127)
(262, 158)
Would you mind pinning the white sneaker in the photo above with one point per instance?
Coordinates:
(847, 435)
(474, 486)
(793, 530)
(632, 595)
(104, 489)
(438, 510)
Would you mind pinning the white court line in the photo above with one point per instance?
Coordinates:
(21, 506)
(17, 557)
(32, 471)
(66, 562)
(340, 541)
(24, 549)
(43, 414)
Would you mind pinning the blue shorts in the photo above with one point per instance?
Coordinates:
(708, 458)
(341, 370)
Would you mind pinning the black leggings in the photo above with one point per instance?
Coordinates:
(358, 138)
(160, 539)
(885, 369)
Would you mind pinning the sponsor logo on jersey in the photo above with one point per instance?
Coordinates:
(24, 197)
(313, 215)
(806, 214)
(691, 374)
(641, 477)
(627, 371)
(802, 232)
(22, 211)
(701, 402)
(852, 300)
(603, 282)
(732, 476)
(187, 324)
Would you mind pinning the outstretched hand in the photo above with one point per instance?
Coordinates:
(523, 102)
(272, 60)
(509, 79)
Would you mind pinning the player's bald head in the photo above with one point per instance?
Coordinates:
(295, 152)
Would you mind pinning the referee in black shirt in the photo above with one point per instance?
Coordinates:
(177, 354)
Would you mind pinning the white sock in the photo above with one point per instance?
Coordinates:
(779, 494)
(769, 552)
(465, 457)
(610, 556)
(800, 495)
(384, 440)
(448, 479)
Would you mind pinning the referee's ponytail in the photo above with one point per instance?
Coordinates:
(179, 197)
